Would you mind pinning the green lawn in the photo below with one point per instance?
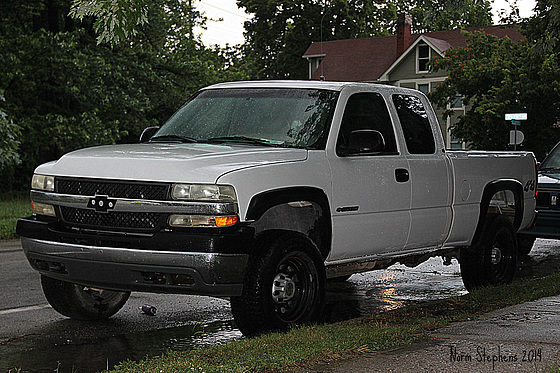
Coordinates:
(12, 207)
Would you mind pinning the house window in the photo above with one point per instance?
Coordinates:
(457, 102)
(456, 144)
(423, 53)
(424, 88)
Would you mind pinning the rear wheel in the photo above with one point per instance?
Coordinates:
(284, 286)
(82, 302)
(493, 259)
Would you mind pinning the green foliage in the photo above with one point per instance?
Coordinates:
(543, 30)
(64, 91)
(439, 15)
(497, 76)
(116, 20)
(9, 143)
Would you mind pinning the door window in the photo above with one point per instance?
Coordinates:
(367, 111)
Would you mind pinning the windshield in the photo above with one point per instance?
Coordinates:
(552, 161)
(261, 116)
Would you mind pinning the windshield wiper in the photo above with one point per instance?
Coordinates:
(242, 140)
(174, 138)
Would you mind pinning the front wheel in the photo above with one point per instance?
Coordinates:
(524, 244)
(82, 302)
(492, 260)
(284, 286)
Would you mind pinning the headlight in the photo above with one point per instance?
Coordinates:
(202, 192)
(43, 182)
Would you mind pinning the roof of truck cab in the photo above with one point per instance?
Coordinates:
(305, 84)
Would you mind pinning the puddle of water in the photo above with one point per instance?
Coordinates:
(105, 353)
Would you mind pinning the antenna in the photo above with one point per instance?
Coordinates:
(322, 78)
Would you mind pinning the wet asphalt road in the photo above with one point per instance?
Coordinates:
(34, 338)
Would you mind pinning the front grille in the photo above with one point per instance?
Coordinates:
(111, 220)
(115, 189)
(145, 221)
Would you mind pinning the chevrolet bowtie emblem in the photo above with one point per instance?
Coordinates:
(102, 203)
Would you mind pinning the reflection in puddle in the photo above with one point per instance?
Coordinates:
(388, 296)
(361, 295)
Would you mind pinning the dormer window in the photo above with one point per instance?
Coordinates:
(423, 58)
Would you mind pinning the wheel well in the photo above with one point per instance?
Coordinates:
(502, 197)
(301, 209)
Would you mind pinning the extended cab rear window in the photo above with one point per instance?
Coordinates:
(415, 124)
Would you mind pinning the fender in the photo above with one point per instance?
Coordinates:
(489, 191)
(302, 209)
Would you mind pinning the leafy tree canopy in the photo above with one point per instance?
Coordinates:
(65, 91)
(543, 30)
(439, 15)
(115, 20)
(279, 32)
(9, 142)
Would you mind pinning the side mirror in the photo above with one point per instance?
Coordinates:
(364, 141)
(148, 133)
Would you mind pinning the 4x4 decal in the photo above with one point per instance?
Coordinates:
(530, 185)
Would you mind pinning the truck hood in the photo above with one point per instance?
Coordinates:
(194, 163)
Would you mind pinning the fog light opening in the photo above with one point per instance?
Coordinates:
(182, 280)
(43, 209)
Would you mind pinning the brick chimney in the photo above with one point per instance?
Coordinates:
(404, 26)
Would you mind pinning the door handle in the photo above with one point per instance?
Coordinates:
(402, 175)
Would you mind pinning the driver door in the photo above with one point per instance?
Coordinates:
(371, 191)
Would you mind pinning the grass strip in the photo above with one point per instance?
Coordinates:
(12, 207)
(307, 346)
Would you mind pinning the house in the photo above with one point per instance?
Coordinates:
(400, 60)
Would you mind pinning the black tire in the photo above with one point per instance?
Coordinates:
(493, 259)
(524, 244)
(284, 286)
(81, 302)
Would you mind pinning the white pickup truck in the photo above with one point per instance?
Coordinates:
(261, 191)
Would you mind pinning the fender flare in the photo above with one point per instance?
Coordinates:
(265, 201)
(489, 191)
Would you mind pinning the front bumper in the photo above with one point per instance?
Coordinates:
(163, 262)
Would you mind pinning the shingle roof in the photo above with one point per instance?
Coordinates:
(367, 59)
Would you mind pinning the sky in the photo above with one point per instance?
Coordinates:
(230, 29)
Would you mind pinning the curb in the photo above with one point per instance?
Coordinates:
(10, 245)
